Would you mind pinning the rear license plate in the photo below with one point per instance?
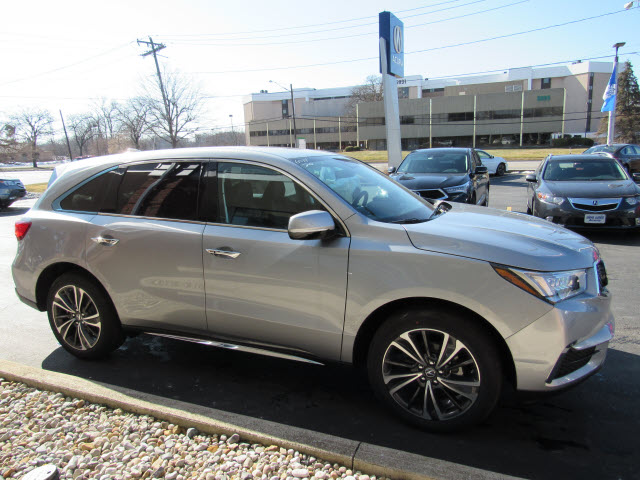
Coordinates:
(595, 218)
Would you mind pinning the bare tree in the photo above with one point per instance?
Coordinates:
(105, 114)
(134, 119)
(84, 128)
(30, 126)
(371, 91)
(172, 121)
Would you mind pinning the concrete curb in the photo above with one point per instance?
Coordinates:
(380, 461)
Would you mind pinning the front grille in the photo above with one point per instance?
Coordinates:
(571, 361)
(603, 280)
(595, 204)
(595, 208)
(432, 194)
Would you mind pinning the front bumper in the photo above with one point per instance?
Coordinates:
(623, 217)
(567, 344)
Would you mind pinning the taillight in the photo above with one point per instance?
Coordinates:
(22, 227)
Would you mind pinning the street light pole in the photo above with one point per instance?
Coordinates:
(611, 130)
(235, 142)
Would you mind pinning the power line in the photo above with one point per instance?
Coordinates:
(349, 36)
(354, 60)
(226, 34)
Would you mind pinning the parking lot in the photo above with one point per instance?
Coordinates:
(587, 432)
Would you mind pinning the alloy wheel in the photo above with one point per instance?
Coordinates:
(431, 374)
(76, 317)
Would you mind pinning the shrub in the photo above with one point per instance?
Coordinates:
(352, 148)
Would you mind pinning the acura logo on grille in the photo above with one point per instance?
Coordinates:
(595, 202)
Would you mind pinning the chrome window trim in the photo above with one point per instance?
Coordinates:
(292, 178)
(164, 219)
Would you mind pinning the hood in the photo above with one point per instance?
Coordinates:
(608, 189)
(502, 237)
(422, 181)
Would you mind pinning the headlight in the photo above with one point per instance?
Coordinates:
(632, 200)
(548, 198)
(458, 188)
(550, 286)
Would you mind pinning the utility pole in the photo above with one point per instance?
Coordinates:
(293, 113)
(66, 136)
(156, 47)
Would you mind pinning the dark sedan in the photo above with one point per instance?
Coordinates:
(628, 155)
(452, 174)
(10, 191)
(584, 191)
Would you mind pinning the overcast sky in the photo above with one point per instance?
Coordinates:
(65, 55)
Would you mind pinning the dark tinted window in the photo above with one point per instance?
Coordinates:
(259, 197)
(444, 161)
(163, 190)
(583, 170)
(91, 196)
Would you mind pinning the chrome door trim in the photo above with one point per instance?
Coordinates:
(222, 253)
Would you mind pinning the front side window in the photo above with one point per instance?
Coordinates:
(254, 196)
(367, 190)
(435, 162)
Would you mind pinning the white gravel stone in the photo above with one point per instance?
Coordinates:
(92, 442)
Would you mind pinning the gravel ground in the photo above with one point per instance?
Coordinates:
(89, 441)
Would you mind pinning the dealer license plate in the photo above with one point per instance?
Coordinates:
(595, 218)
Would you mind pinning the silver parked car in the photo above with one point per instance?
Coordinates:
(311, 255)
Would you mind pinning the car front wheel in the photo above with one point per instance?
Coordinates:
(82, 317)
(435, 368)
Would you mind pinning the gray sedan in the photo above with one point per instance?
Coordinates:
(584, 191)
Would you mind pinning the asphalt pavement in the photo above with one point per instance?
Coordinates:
(587, 432)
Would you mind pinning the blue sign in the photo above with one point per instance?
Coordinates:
(392, 30)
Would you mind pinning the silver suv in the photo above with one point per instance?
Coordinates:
(315, 256)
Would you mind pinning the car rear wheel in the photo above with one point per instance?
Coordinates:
(82, 317)
(501, 170)
(436, 369)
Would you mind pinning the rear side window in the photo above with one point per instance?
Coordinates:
(162, 190)
(92, 195)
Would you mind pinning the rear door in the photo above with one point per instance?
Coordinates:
(261, 286)
(145, 246)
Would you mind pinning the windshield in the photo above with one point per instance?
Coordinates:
(367, 190)
(601, 148)
(435, 162)
(583, 170)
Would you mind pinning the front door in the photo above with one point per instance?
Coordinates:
(261, 286)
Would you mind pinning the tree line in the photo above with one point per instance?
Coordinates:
(144, 122)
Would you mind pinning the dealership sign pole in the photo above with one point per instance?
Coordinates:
(391, 68)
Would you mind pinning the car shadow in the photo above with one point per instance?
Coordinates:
(587, 432)
(13, 211)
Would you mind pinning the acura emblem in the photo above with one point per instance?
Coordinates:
(397, 39)
(595, 202)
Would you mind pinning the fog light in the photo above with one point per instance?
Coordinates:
(637, 221)
(549, 219)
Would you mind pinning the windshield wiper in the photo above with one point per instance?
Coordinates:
(410, 220)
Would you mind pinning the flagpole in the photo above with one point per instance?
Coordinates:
(611, 130)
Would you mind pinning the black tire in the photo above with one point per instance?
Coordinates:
(472, 201)
(528, 210)
(501, 170)
(448, 406)
(486, 199)
(82, 317)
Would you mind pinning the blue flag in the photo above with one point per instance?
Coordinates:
(609, 96)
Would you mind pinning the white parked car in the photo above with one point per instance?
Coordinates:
(496, 165)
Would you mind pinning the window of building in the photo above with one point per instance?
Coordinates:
(545, 83)
(285, 108)
(459, 116)
(254, 196)
(403, 92)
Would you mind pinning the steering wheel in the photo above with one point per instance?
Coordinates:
(358, 196)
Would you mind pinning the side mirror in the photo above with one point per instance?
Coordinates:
(481, 169)
(531, 177)
(636, 177)
(310, 225)
(391, 170)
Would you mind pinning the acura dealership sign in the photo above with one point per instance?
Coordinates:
(392, 31)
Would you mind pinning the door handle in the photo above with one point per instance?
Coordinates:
(222, 253)
(109, 242)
